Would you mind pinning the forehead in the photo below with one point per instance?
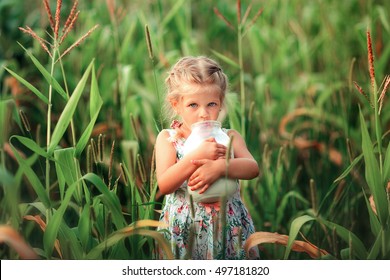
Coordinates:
(190, 91)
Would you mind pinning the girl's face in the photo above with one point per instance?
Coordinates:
(198, 103)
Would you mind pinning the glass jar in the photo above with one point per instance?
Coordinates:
(201, 131)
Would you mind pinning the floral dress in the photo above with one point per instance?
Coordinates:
(200, 231)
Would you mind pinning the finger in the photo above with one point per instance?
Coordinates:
(195, 186)
(198, 162)
(192, 181)
(204, 189)
(211, 139)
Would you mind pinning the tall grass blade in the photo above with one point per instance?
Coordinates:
(373, 175)
(25, 166)
(349, 168)
(377, 246)
(71, 247)
(49, 78)
(95, 104)
(29, 86)
(66, 168)
(280, 211)
(386, 165)
(84, 227)
(56, 220)
(109, 198)
(30, 144)
(8, 109)
(67, 113)
(349, 237)
(10, 198)
(294, 230)
(226, 59)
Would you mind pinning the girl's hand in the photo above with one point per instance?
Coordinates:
(206, 174)
(210, 149)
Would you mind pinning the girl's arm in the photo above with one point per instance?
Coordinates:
(242, 166)
(171, 174)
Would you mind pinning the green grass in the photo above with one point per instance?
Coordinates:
(317, 140)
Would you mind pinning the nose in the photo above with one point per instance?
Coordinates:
(204, 113)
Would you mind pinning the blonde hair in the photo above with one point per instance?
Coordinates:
(191, 70)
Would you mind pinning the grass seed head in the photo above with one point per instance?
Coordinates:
(370, 60)
(57, 18)
(49, 14)
(149, 42)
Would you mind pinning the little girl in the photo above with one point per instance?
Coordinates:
(196, 88)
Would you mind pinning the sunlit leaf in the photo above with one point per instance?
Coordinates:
(29, 86)
(95, 103)
(50, 79)
(67, 113)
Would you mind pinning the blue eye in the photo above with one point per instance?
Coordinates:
(193, 105)
(212, 104)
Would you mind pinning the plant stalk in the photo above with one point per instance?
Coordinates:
(48, 131)
(242, 83)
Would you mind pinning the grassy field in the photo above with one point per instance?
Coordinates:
(80, 107)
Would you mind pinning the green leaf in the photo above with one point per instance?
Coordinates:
(284, 202)
(32, 145)
(32, 176)
(373, 175)
(66, 168)
(50, 79)
(56, 220)
(109, 198)
(376, 248)
(349, 237)
(67, 237)
(67, 113)
(84, 227)
(349, 168)
(29, 86)
(4, 120)
(294, 230)
(95, 104)
(226, 59)
(386, 165)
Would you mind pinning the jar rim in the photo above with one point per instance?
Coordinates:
(209, 122)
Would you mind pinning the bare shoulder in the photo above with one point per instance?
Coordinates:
(163, 134)
(165, 152)
(163, 139)
(236, 135)
(239, 146)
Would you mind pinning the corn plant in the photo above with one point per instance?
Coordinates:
(376, 161)
(79, 214)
